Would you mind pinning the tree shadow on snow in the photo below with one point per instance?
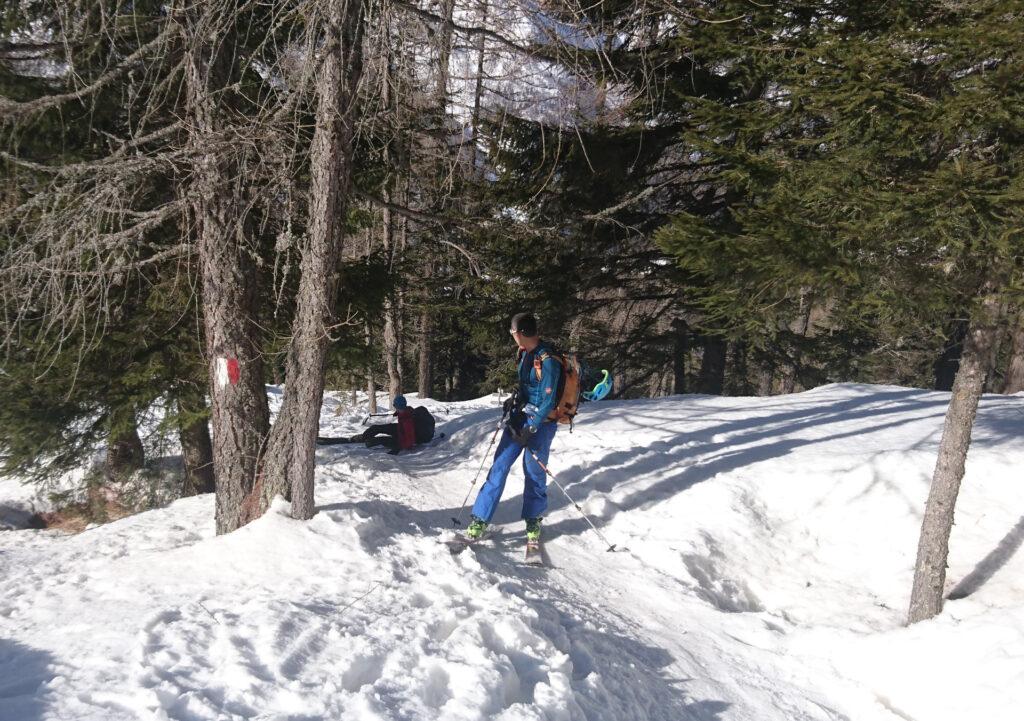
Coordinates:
(726, 446)
(990, 565)
(23, 671)
(678, 463)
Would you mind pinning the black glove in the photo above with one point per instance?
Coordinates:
(509, 406)
(522, 435)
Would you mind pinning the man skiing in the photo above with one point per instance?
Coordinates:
(528, 427)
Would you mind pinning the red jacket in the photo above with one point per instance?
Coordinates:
(406, 429)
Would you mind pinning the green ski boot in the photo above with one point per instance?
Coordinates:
(533, 530)
(476, 529)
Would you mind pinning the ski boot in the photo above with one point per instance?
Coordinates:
(477, 528)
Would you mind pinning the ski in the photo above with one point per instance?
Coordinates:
(534, 554)
(461, 542)
(323, 441)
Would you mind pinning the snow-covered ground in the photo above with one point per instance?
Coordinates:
(765, 548)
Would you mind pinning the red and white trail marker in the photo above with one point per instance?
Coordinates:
(227, 372)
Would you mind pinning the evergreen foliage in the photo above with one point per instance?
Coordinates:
(748, 198)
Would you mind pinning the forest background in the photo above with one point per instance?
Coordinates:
(719, 197)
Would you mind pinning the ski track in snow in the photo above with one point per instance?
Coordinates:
(765, 554)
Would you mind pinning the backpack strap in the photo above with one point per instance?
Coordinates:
(538, 363)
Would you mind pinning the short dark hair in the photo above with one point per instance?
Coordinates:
(525, 323)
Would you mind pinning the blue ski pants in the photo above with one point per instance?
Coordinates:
(535, 494)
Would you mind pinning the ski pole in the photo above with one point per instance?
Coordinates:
(374, 415)
(457, 521)
(611, 546)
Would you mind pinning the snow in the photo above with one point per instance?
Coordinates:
(765, 554)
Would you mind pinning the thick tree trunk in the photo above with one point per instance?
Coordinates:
(196, 445)
(933, 547)
(712, 366)
(291, 449)
(1013, 382)
(239, 413)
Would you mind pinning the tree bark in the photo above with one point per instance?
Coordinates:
(933, 547)
(736, 370)
(712, 366)
(680, 349)
(392, 304)
(240, 414)
(948, 362)
(426, 370)
(125, 453)
(392, 338)
(1013, 382)
(477, 168)
(291, 450)
(371, 382)
(196, 445)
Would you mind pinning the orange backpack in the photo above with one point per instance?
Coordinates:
(568, 387)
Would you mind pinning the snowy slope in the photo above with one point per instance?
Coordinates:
(766, 548)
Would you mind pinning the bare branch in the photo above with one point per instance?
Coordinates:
(13, 110)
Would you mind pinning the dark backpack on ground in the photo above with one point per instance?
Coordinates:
(424, 423)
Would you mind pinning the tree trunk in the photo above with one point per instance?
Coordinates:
(291, 450)
(371, 382)
(392, 349)
(240, 415)
(125, 453)
(1013, 382)
(619, 380)
(712, 366)
(477, 167)
(680, 349)
(946, 366)
(392, 346)
(933, 547)
(441, 188)
(787, 384)
(444, 53)
(736, 370)
(392, 337)
(426, 374)
(196, 446)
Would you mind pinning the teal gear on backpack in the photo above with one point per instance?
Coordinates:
(602, 389)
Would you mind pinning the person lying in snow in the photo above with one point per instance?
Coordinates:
(412, 426)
